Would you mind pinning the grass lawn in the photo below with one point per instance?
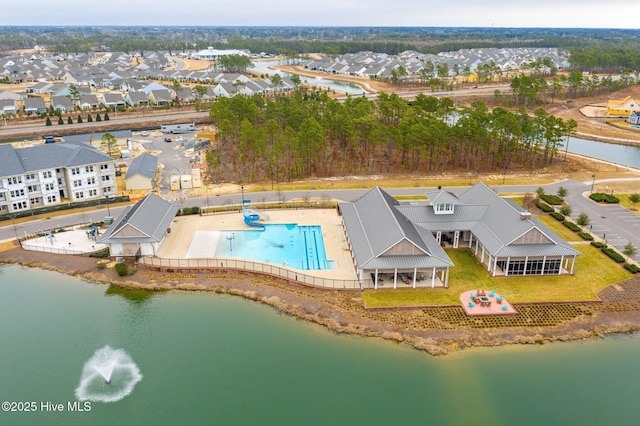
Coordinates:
(624, 202)
(557, 227)
(593, 272)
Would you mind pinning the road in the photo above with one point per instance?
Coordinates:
(611, 222)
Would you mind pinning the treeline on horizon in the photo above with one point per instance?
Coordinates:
(309, 134)
(596, 50)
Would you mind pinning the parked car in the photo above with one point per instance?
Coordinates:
(167, 139)
(144, 133)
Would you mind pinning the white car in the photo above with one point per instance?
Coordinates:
(144, 133)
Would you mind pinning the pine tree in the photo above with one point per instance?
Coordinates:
(98, 118)
(69, 120)
(106, 117)
(79, 119)
(60, 120)
(89, 119)
(48, 122)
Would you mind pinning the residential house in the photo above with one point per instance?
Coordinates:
(113, 100)
(34, 105)
(160, 97)
(61, 103)
(136, 99)
(622, 107)
(8, 107)
(88, 102)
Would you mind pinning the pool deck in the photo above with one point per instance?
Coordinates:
(176, 244)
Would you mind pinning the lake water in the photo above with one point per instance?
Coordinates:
(213, 359)
(620, 154)
(352, 89)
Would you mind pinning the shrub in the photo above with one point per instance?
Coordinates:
(557, 216)
(122, 269)
(613, 254)
(102, 254)
(597, 244)
(101, 265)
(586, 236)
(631, 268)
(544, 207)
(554, 200)
(601, 197)
(572, 226)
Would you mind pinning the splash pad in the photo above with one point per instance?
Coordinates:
(108, 376)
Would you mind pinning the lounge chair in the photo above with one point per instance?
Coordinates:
(499, 299)
(471, 304)
(492, 293)
(505, 307)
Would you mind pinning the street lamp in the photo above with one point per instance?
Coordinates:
(108, 208)
(242, 200)
(593, 184)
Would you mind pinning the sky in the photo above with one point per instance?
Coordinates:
(406, 13)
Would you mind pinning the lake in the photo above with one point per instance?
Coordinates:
(216, 359)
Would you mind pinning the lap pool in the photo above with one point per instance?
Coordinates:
(300, 247)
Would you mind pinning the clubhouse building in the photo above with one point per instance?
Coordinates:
(400, 245)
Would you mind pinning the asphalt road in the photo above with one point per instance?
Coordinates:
(611, 222)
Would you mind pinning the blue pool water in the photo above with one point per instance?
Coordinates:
(300, 247)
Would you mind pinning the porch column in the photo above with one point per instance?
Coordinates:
(470, 239)
(526, 260)
(573, 264)
(439, 237)
(561, 262)
(489, 263)
(544, 260)
(477, 242)
(375, 280)
(482, 256)
(446, 282)
(495, 263)
(433, 278)
(456, 239)
(395, 278)
(415, 273)
(506, 269)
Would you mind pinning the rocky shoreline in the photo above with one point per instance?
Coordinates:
(434, 330)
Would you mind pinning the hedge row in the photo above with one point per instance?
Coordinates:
(613, 254)
(554, 200)
(557, 216)
(189, 210)
(572, 226)
(601, 197)
(586, 236)
(597, 244)
(631, 268)
(544, 207)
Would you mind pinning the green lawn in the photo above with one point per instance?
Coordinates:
(557, 227)
(594, 271)
(624, 202)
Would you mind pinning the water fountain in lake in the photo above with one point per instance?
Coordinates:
(108, 376)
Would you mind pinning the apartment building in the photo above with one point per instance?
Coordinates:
(50, 174)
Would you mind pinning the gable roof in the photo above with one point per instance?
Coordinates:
(145, 165)
(375, 225)
(150, 216)
(48, 156)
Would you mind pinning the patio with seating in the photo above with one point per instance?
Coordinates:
(483, 302)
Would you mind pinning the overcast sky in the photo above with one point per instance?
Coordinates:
(439, 13)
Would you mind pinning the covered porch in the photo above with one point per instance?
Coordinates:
(405, 278)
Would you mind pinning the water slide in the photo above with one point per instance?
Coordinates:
(251, 219)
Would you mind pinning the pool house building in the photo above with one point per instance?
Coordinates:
(402, 245)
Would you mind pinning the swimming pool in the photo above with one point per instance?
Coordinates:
(300, 247)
